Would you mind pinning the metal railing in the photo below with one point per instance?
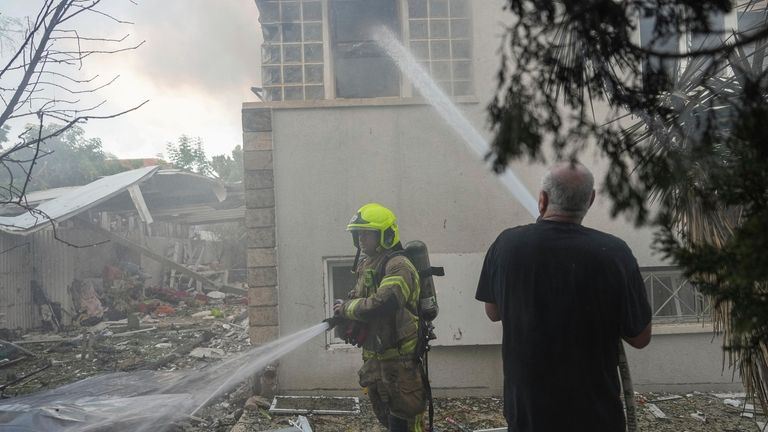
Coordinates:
(673, 298)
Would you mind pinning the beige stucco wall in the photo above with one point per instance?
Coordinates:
(330, 157)
(402, 156)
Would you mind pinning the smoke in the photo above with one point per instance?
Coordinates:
(210, 47)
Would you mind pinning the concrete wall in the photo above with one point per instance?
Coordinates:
(403, 157)
(326, 158)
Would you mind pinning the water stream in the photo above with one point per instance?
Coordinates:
(449, 112)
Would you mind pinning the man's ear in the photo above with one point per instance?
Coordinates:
(591, 199)
(543, 202)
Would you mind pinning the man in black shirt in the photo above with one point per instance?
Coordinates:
(566, 295)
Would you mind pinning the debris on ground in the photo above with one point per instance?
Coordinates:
(198, 333)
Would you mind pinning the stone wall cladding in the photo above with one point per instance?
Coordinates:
(260, 224)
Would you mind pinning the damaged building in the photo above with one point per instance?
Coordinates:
(339, 126)
(81, 252)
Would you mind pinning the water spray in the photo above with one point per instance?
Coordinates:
(449, 112)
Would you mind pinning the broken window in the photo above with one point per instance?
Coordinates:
(315, 49)
(361, 68)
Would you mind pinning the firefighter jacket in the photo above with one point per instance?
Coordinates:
(388, 309)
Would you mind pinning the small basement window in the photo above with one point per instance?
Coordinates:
(339, 281)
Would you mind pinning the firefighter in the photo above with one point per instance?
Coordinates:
(381, 316)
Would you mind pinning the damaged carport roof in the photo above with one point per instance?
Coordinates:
(73, 202)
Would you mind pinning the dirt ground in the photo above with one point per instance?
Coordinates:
(165, 342)
(711, 415)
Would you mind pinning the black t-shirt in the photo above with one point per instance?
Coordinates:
(566, 294)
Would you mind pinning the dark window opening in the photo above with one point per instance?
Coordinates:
(361, 68)
(668, 44)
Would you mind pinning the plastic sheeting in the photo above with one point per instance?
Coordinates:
(140, 401)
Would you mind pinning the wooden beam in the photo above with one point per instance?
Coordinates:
(141, 206)
(162, 260)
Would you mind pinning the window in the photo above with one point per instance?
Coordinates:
(339, 281)
(745, 20)
(361, 68)
(672, 297)
(669, 44)
(441, 39)
(317, 49)
(711, 39)
(748, 21)
(292, 53)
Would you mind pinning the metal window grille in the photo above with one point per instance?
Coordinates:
(673, 298)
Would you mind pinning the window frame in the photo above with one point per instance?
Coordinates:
(276, 86)
(328, 287)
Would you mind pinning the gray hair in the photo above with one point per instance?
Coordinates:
(569, 187)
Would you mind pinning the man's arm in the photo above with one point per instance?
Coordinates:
(492, 310)
(640, 341)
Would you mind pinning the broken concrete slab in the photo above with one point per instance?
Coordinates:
(656, 411)
(667, 398)
(210, 353)
(216, 295)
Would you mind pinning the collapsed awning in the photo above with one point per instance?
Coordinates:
(168, 195)
(73, 201)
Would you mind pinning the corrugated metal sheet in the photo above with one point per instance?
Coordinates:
(53, 263)
(15, 273)
(73, 202)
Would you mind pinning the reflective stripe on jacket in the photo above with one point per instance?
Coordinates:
(389, 309)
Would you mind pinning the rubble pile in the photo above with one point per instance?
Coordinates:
(175, 332)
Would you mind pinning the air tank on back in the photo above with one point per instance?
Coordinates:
(417, 252)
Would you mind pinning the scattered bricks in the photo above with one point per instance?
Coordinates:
(259, 179)
(262, 316)
(259, 198)
(262, 276)
(257, 141)
(262, 257)
(261, 237)
(260, 217)
(257, 159)
(262, 296)
(263, 334)
(257, 120)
